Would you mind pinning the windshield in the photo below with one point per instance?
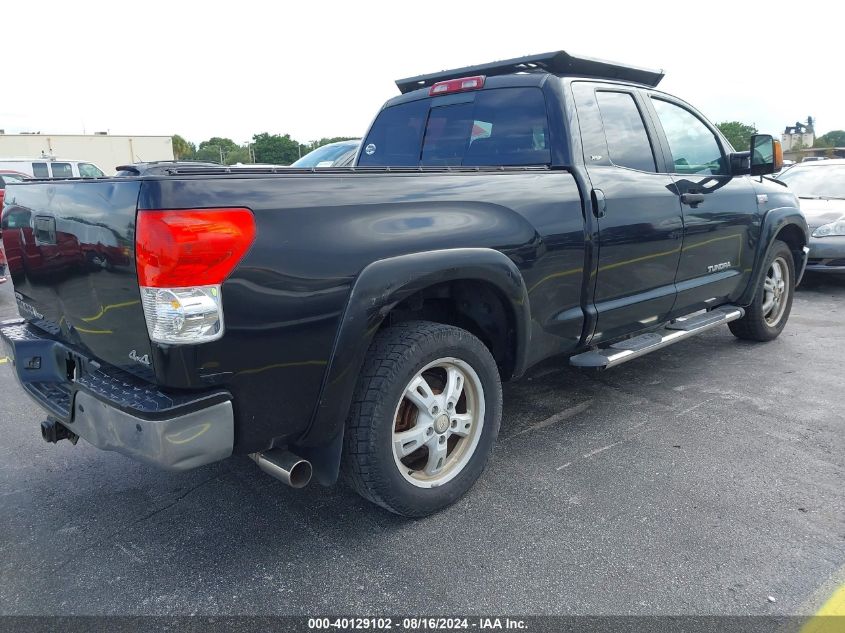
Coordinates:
(326, 155)
(817, 181)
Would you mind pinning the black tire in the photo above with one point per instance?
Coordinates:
(395, 357)
(755, 326)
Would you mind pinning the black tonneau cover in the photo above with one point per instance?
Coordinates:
(557, 63)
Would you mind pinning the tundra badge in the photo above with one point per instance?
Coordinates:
(717, 267)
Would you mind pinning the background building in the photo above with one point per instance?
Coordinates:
(104, 150)
(798, 136)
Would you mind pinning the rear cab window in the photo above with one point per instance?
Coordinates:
(494, 127)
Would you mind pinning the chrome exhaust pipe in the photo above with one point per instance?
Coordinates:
(285, 466)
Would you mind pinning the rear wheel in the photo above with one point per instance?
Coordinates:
(424, 419)
(766, 317)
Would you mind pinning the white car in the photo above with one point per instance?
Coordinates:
(820, 187)
(50, 167)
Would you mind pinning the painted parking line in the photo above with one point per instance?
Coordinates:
(831, 617)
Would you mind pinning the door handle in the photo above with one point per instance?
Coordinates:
(692, 199)
(599, 202)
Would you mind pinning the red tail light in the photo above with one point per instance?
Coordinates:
(456, 85)
(191, 247)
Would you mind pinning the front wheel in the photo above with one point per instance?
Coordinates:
(426, 413)
(766, 317)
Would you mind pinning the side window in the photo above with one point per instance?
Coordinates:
(627, 140)
(39, 170)
(87, 170)
(694, 147)
(2, 183)
(62, 170)
(396, 136)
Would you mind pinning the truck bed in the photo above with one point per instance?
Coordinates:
(284, 302)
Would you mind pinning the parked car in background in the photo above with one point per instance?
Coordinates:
(786, 165)
(158, 167)
(813, 159)
(820, 187)
(340, 154)
(164, 167)
(8, 177)
(52, 168)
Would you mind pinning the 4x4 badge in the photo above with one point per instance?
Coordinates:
(144, 360)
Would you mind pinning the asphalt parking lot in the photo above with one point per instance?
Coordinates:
(706, 478)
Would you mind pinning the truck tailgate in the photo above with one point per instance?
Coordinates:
(70, 246)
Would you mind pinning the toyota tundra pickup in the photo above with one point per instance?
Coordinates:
(360, 321)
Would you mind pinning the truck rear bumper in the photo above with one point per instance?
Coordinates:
(116, 411)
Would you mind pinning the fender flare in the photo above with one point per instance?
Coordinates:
(773, 223)
(376, 291)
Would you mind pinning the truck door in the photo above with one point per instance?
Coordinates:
(720, 211)
(637, 211)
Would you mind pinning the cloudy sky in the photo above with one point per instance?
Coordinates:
(322, 68)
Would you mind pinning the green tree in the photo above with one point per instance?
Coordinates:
(738, 134)
(834, 138)
(239, 155)
(216, 149)
(227, 144)
(276, 149)
(182, 149)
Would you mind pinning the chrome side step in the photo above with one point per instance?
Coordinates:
(678, 330)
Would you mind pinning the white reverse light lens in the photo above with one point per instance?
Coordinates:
(834, 228)
(183, 315)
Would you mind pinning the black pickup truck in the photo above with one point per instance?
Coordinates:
(360, 321)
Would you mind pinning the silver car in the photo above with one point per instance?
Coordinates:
(340, 154)
(820, 186)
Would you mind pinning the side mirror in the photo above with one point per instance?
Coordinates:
(766, 155)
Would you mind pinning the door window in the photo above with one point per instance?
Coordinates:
(87, 170)
(39, 170)
(62, 170)
(627, 140)
(694, 147)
